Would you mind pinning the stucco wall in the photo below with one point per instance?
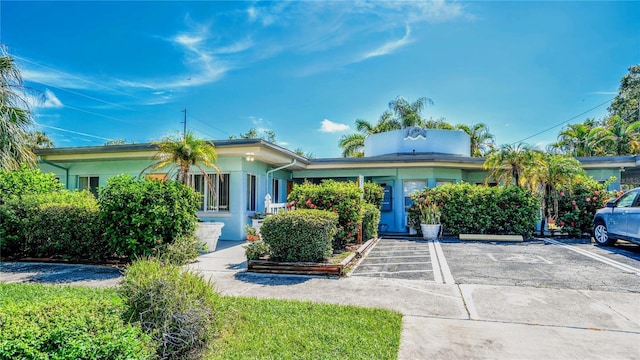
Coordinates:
(454, 142)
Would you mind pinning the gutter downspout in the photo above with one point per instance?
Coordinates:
(66, 170)
(276, 169)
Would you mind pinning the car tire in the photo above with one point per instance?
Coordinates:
(601, 235)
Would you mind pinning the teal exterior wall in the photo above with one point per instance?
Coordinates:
(604, 175)
(237, 167)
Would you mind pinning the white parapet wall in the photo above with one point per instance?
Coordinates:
(418, 140)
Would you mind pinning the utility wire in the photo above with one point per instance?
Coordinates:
(564, 122)
(75, 77)
(74, 132)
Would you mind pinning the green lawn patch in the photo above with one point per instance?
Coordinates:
(276, 329)
(249, 328)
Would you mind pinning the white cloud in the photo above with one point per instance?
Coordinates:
(50, 100)
(390, 47)
(329, 126)
(46, 100)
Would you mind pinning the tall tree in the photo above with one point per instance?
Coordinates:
(577, 139)
(511, 163)
(352, 145)
(15, 117)
(482, 141)
(408, 113)
(39, 140)
(618, 137)
(552, 174)
(268, 135)
(626, 104)
(185, 152)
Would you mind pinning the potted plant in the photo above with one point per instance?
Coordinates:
(429, 215)
(252, 234)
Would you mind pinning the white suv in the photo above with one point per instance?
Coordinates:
(619, 219)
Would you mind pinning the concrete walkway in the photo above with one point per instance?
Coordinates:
(459, 321)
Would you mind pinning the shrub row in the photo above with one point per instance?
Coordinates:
(130, 218)
(577, 206)
(301, 235)
(61, 223)
(478, 209)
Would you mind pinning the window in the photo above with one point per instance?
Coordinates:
(90, 183)
(275, 192)
(251, 192)
(443, 182)
(214, 189)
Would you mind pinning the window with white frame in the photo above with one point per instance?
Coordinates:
(89, 183)
(252, 192)
(275, 190)
(214, 189)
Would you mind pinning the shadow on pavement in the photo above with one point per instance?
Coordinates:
(56, 273)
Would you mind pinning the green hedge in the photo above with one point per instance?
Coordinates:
(142, 216)
(342, 198)
(370, 222)
(26, 181)
(300, 235)
(373, 194)
(578, 205)
(69, 328)
(56, 224)
(475, 209)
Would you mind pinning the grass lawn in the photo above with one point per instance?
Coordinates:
(269, 329)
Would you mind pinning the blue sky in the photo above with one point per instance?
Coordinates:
(308, 69)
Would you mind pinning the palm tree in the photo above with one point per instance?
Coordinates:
(552, 174)
(577, 139)
(15, 117)
(185, 152)
(617, 136)
(482, 141)
(352, 145)
(39, 140)
(512, 163)
(408, 114)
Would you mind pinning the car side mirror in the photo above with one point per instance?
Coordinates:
(611, 204)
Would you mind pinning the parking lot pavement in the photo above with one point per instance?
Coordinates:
(545, 264)
(398, 259)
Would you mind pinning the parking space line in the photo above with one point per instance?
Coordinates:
(393, 257)
(444, 267)
(392, 272)
(597, 257)
(400, 263)
(437, 275)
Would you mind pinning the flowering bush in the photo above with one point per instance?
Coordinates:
(342, 198)
(577, 206)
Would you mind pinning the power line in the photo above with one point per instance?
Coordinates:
(564, 122)
(74, 132)
(88, 97)
(75, 77)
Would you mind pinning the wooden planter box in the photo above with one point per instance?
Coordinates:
(307, 268)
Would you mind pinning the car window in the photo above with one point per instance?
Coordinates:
(627, 200)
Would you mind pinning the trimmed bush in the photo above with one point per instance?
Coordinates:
(26, 181)
(256, 250)
(299, 236)
(143, 216)
(69, 328)
(475, 209)
(56, 224)
(370, 221)
(342, 198)
(373, 194)
(175, 307)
